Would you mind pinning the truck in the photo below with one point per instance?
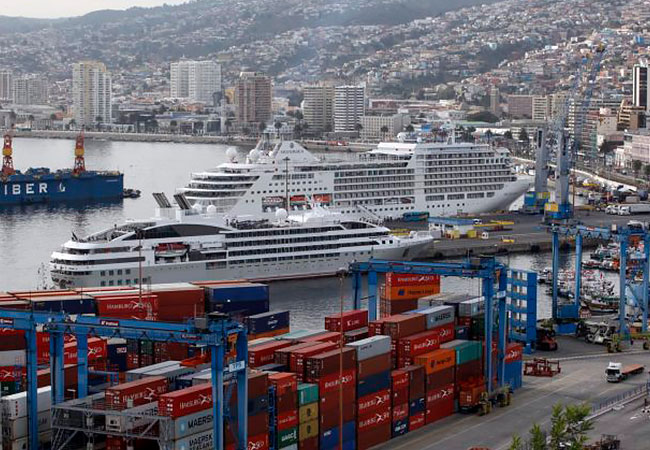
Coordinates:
(634, 208)
(617, 372)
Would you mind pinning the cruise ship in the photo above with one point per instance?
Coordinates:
(191, 243)
(440, 178)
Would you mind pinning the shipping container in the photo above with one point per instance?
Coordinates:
(262, 354)
(13, 429)
(373, 383)
(185, 401)
(284, 382)
(243, 291)
(308, 412)
(372, 366)
(269, 321)
(286, 420)
(437, 315)
(325, 336)
(403, 325)
(371, 347)
(373, 402)
(287, 438)
(11, 339)
(298, 357)
(352, 320)
(376, 327)
(355, 335)
(465, 350)
(419, 343)
(471, 308)
(416, 381)
(332, 382)
(71, 304)
(307, 393)
(136, 374)
(329, 362)
(307, 430)
(135, 393)
(400, 427)
(437, 360)
(416, 421)
(440, 403)
(15, 406)
(329, 439)
(406, 279)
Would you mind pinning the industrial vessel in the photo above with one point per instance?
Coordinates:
(189, 243)
(439, 178)
(41, 185)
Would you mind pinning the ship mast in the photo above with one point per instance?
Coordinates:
(7, 160)
(79, 162)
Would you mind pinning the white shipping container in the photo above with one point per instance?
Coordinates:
(194, 423)
(471, 308)
(436, 315)
(371, 347)
(13, 358)
(14, 406)
(17, 428)
(136, 374)
(23, 444)
(199, 441)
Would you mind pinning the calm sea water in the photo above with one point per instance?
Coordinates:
(29, 234)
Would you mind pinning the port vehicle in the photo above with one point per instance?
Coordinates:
(611, 209)
(546, 339)
(415, 216)
(388, 181)
(617, 372)
(189, 243)
(42, 185)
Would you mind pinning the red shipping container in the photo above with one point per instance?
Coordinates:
(351, 320)
(326, 336)
(464, 321)
(12, 373)
(403, 325)
(97, 349)
(126, 305)
(374, 419)
(355, 335)
(263, 354)
(297, 358)
(374, 402)
(331, 382)
(259, 442)
(331, 418)
(373, 366)
(287, 401)
(400, 396)
(374, 436)
(416, 381)
(446, 333)
(283, 355)
(400, 379)
(311, 443)
(139, 392)
(115, 443)
(419, 343)
(376, 327)
(70, 376)
(185, 401)
(440, 379)
(408, 279)
(284, 382)
(287, 420)
(330, 401)
(11, 339)
(400, 412)
(514, 352)
(329, 362)
(440, 403)
(416, 421)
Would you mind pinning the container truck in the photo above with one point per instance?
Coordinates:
(634, 208)
(617, 372)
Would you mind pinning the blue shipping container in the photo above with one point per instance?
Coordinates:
(116, 353)
(237, 292)
(270, 321)
(373, 383)
(72, 305)
(401, 427)
(248, 308)
(329, 439)
(513, 374)
(417, 406)
(462, 333)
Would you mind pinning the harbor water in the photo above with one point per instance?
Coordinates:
(29, 234)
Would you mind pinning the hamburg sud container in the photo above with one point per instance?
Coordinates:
(410, 286)
(263, 354)
(399, 402)
(179, 301)
(135, 393)
(513, 365)
(468, 360)
(416, 344)
(417, 396)
(185, 401)
(297, 358)
(135, 306)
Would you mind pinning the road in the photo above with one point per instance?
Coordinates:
(581, 380)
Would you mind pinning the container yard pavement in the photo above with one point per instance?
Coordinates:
(581, 380)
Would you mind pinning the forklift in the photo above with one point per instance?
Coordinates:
(546, 339)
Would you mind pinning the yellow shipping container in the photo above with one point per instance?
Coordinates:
(308, 412)
(471, 234)
(308, 430)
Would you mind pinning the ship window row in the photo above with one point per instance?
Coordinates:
(268, 259)
(346, 181)
(223, 178)
(495, 187)
(358, 187)
(212, 193)
(176, 231)
(294, 176)
(94, 251)
(93, 262)
(284, 231)
(472, 154)
(258, 243)
(464, 162)
(456, 196)
(361, 194)
(466, 181)
(476, 195)
(199, 185)
(308, 248)
(363, 173)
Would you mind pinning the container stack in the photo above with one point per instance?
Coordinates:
(241, 297)
(373, 391)
(133, 306)
(400, 292)
(12, 361)
(285, 428)
(399, 402)
(135, 393)
(439, 368)
(264, 353)
(308, 401)
(298, 357)
(191, 410)
(469, 381)
(15, 429)
(400, 326)
(514, 365)
(417, 397)
(258, 412)
(267, 324)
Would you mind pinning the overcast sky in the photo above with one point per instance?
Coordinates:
(68, 8)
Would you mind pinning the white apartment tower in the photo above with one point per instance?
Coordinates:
(318, 108)
(30, 90)
(91, 93)
(195, 81)
(6, 85)
(349, 106)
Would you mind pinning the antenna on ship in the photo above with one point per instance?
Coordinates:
(7, 160)
(79, 150)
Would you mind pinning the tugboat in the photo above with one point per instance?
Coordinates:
(40, 185)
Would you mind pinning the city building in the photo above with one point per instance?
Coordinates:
(253, 99)
(318, 108)
(349, 106)
(541, 108)
(91, 93)
(640, 91)
(636, 147)
(494, 100)
(383, 127)
(6, 85)
(196, 81)
(631, 117)
(520, 106)
(30, 90)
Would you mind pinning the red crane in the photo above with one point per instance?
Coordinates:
(79, 161)
(7, 160)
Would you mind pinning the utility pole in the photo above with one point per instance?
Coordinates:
(286, 183)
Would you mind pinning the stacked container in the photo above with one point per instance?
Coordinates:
(12, 361)
(267, 324)
(308, 402)
(399, 402)
(229, 297)
(286, 407)
(401, 326)
(469, 382)
(373, 391)
(297, 358)
(401, 292)
(417, 396)
(14, 418)
(258, 411)
(263, 354)
(439, 369)
(135, 393)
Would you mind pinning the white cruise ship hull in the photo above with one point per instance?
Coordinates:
(278, 270)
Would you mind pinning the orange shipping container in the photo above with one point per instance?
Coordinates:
(410, 292)
(437, 360)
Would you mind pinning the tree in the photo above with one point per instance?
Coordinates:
(523, 136)
(384, 130)
(278, 127)
(516, 443)
(636, 167)
(569, 430)
(173, 125)
(228, 125)
(246, 131)
(507, 134)
(299, 116)
(483, 116)
(488, 135)
(409, 128)
(99, 120)
(537, 438)
(261, 127)
(646, 171)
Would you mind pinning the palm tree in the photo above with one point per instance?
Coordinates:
(173, 126)
(99, 120)
(72, 124)
(261, 127)
(228, 125)
(384, 130)
(278, 126)
(358, 127)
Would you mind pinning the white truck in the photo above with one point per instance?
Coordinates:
(617, 372)
(634, 208)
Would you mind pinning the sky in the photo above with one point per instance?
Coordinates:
(69, 8)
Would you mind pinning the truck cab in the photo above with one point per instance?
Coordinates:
(614, 372)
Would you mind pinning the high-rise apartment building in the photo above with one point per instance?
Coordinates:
(6, 86)
(349, 106)
(640, 93)
(30, 90)
(197, 81)
(91, 93)
(520, 106)
(253, 99)
(541, 108)
(318, 108)
(494, 100)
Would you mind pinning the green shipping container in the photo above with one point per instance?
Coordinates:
(307, 393)
(287, 437)
(466, 351)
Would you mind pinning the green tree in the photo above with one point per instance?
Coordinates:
(384, 130)
(646, 171)
(516, 443)
(298, 115)
(507, 134)
(173, 126)
(409, 128)
(636, 167)
(358, 127)
(261, 127)
(537, 438)
(278, 126)
(523, 136)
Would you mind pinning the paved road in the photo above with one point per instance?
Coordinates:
(630, 424)
(580, 381)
